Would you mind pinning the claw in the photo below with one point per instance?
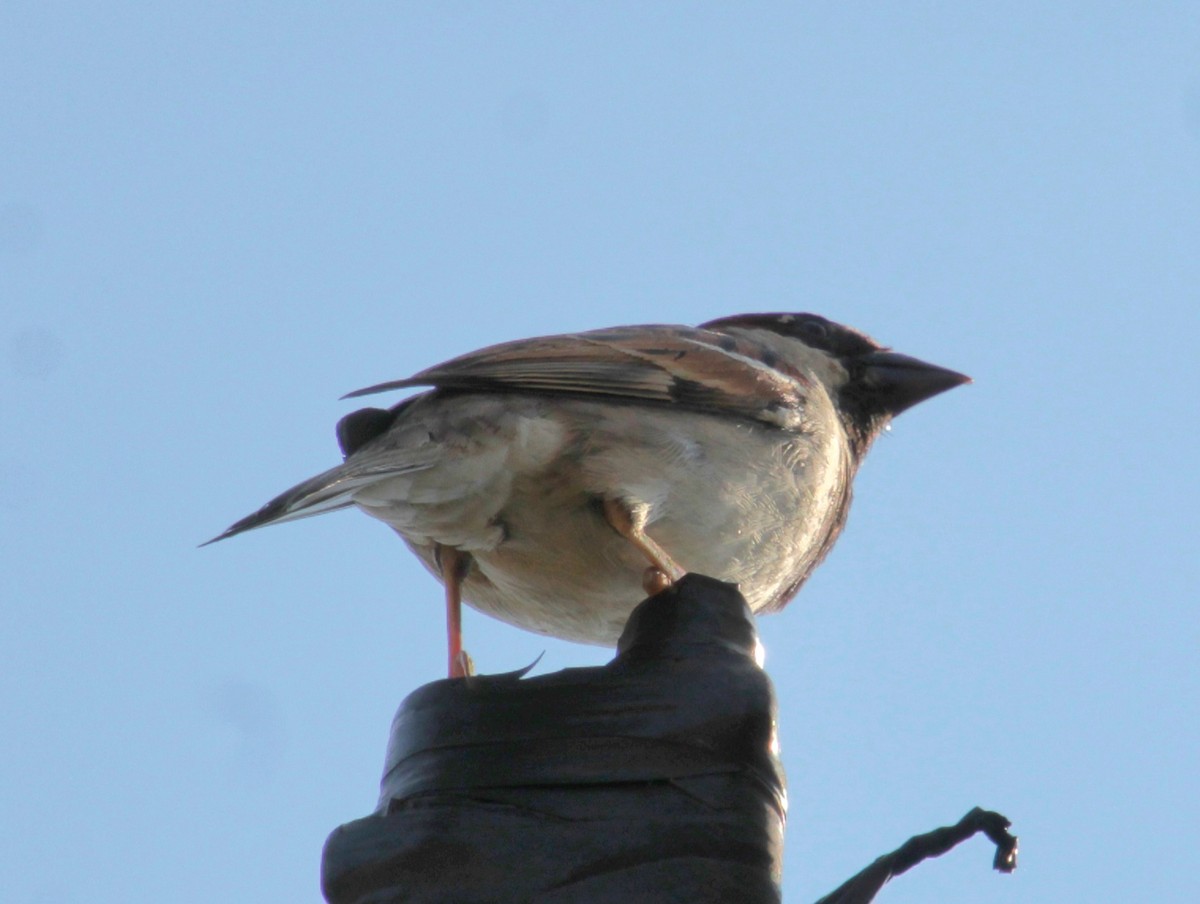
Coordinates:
(655, 581)
(462, 665)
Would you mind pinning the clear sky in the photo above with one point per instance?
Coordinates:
(217, 218)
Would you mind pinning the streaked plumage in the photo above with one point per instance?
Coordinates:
(733, 444)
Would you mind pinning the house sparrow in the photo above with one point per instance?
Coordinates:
(552, 482)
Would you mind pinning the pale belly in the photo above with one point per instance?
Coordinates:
(741, 502)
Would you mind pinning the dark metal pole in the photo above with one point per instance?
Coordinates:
(653, 778)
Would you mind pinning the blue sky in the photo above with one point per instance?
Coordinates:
(215, 219)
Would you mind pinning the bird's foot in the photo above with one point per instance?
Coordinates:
(630, 522)
(655, 581)
(462, 665)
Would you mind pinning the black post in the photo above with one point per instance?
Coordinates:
(653, 778)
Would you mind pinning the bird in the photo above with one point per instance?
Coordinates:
(553, 482)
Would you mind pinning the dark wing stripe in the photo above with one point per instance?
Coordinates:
(683, 366)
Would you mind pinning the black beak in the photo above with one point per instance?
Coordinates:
(897, 382)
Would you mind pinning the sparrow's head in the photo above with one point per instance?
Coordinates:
(869, 383)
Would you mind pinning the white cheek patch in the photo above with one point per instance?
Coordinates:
(803, 358)
(826, 369)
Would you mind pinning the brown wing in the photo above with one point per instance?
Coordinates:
(688, 367)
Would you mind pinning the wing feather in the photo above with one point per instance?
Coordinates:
(689, 367)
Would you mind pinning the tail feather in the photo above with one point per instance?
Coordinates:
(327, 492)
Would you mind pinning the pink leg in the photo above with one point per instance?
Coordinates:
(454, 565)
(631, 525)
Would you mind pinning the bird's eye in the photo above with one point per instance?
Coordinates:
(814, 329)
